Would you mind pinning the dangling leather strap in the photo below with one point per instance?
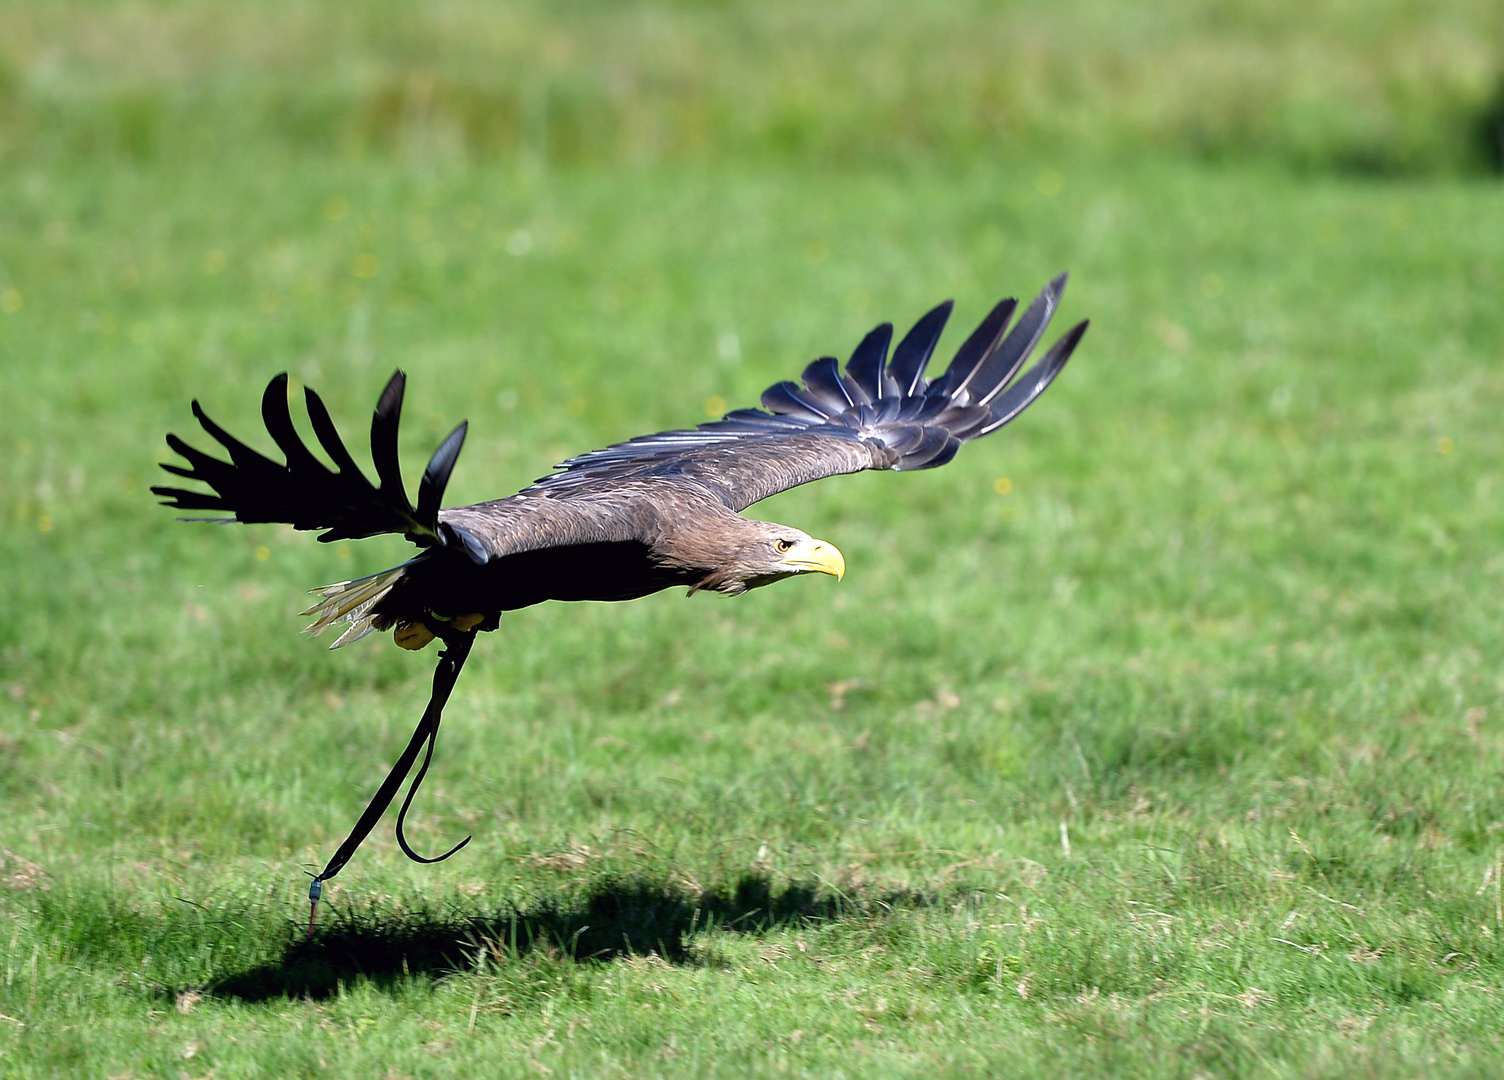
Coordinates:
(451, 660)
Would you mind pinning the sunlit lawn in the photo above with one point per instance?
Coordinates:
(1158, 735)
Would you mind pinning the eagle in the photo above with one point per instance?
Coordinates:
(631, 519)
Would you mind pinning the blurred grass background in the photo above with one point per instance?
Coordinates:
(1161, 734)
(1374, 87)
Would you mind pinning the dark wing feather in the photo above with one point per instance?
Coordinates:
(436, 476)
(878, 415)
(866, 364)
(384, 423)
(788, 399)
(328, 435)
(1022, 393)
(304, 492)
(278, 420)
(916, 348)
(997, 369)
(976, 348)
(823, 380)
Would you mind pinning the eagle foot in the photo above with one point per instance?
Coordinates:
(413, 635)
(417, 635)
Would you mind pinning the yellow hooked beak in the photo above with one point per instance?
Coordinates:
(817, 556)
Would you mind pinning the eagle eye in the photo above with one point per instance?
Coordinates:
(783, 545)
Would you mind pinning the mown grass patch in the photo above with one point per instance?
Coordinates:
(1159, 736)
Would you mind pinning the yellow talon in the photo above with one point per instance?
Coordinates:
(412, 635)
(467, 622)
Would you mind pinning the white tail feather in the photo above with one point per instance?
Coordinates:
(351, 601)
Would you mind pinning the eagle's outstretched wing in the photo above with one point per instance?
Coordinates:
(881, 414)
(305, 493)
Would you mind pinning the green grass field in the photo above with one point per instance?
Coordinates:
(1159, 735)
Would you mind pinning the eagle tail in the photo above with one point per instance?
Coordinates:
(352, 602)
(305, 493)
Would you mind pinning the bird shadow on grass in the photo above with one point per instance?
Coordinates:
(613, 919)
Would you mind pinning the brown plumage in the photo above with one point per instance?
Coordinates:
(625, 521)
(644, 515)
